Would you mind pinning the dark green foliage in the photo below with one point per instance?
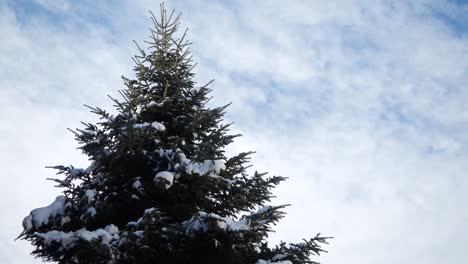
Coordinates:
(160, 188)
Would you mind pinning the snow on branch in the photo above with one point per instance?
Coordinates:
(155, 125)
(41, 216)
(210, 167)
(207, 221)
(68, 239)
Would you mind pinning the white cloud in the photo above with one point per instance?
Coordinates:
(54, 6)
(360, 103)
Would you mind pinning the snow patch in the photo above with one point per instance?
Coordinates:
(41, 216)
(202, 222)
(264, 209)
(112, 229)
(156, 125)
(91, 211)
(68, 239)
(166, 175)
(210, 167)
(137, 184)
(90, 193)
(148, 105)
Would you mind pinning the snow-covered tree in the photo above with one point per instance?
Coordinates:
(160, 188)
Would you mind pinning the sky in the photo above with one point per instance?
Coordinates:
(362, 104)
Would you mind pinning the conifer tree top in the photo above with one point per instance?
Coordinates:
(160, 188)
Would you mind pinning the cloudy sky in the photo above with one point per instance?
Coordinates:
(363, 104)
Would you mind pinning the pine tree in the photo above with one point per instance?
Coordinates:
(160, 188)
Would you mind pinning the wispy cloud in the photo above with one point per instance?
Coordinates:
(360, 103)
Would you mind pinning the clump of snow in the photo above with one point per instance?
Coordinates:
(202, 220)
(150, 210)
(99, 233)
(137, 184)
(139, 109)
(156, 125)
(139, 233)
(91, 211)
(68, 239)
(107, 151)
(90, 193)
(148, 105)
(207, 167)
(264, 209)
(153, 103)
(217, 243)
(210, 167)
(141, 125)
(65, 239)
(167, 176)
(141, 219)
(41, 216)
(112, 229)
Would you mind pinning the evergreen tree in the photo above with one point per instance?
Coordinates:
(160, 188)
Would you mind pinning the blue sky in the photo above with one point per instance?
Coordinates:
(362, 104)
